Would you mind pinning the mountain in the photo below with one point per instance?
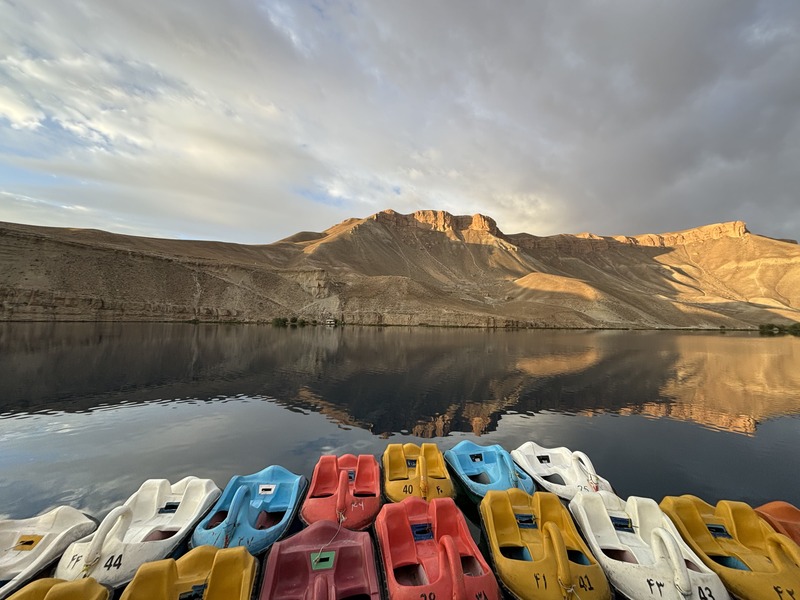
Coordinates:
(429, 267)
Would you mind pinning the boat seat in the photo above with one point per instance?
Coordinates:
(434, 461)
(401, 538)
(505, 523)
(225, 579)
(745, 525)
(326, 477)
(600, 523)
(444, 517)
(645, 515)
(58, 589)
(549, 508)
(367, 476)
(692, 521)
(151, 496)
(396, 462)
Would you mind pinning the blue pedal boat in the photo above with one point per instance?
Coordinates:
(254, 511)
(482, 468)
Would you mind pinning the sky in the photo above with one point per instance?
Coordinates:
(249, 121)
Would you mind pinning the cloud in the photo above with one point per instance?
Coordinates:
(250, 121)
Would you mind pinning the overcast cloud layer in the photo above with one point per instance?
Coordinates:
(250, 121)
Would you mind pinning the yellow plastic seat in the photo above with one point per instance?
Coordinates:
(58, 589)
(212, 573)
(750, 558)
(536, 548)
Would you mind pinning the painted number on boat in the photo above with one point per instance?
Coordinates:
(408, 489)
(584, 583)
(113, 562)
(541, 580)
(428, 596)
(659, 585)
(704, 593)
(481, 596)
(780, 591)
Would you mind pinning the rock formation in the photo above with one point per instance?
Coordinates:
(426, 268)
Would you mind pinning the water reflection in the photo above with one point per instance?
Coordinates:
(87, 411)
(429, 382)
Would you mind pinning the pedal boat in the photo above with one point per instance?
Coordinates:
(254, 511)
(482, 468)
(411, 470)
(428, 552)
(57, 589)
(559, 470)
(345, 488)
(28, 546)
(640, 551)
(752, 560)
(206, 573)
(323, 562)
(151, 525)
(536, 549)
(784, 518)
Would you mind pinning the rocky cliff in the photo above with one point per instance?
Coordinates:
(429, 267)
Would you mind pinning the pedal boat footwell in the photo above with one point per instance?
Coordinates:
(322, 562)
(536, 549)
(752, 560)
(428, 552)
(641, 552)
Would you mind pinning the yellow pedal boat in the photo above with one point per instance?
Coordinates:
(206, 572)
(752, 560)
(411, 470)
(59, 589)
(536, 549)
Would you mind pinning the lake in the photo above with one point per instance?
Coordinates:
(89, 411)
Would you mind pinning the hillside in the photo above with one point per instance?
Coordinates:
(429, 267)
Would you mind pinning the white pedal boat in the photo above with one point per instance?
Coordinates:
(29, 545)
(151, 525)
(641, 551)
(559, 470)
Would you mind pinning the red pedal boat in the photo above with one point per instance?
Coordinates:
(428, 552)
(323, 562)
(346, 488)
(783, 517)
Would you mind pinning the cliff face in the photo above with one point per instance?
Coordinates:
(429, 267)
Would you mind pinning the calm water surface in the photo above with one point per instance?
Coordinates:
(89, 411)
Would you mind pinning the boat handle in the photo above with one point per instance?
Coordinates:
(584, 463)
(778, 546)
(122, 513)
(552, 539)
(666, 548)
(422, 473)
(239, 499)
(512, 469)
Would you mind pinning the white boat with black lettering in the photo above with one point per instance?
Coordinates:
(641, 551)
(27, 546)
(559, 470)
(151, 525)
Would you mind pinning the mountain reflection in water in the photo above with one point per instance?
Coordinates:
(371, 383)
